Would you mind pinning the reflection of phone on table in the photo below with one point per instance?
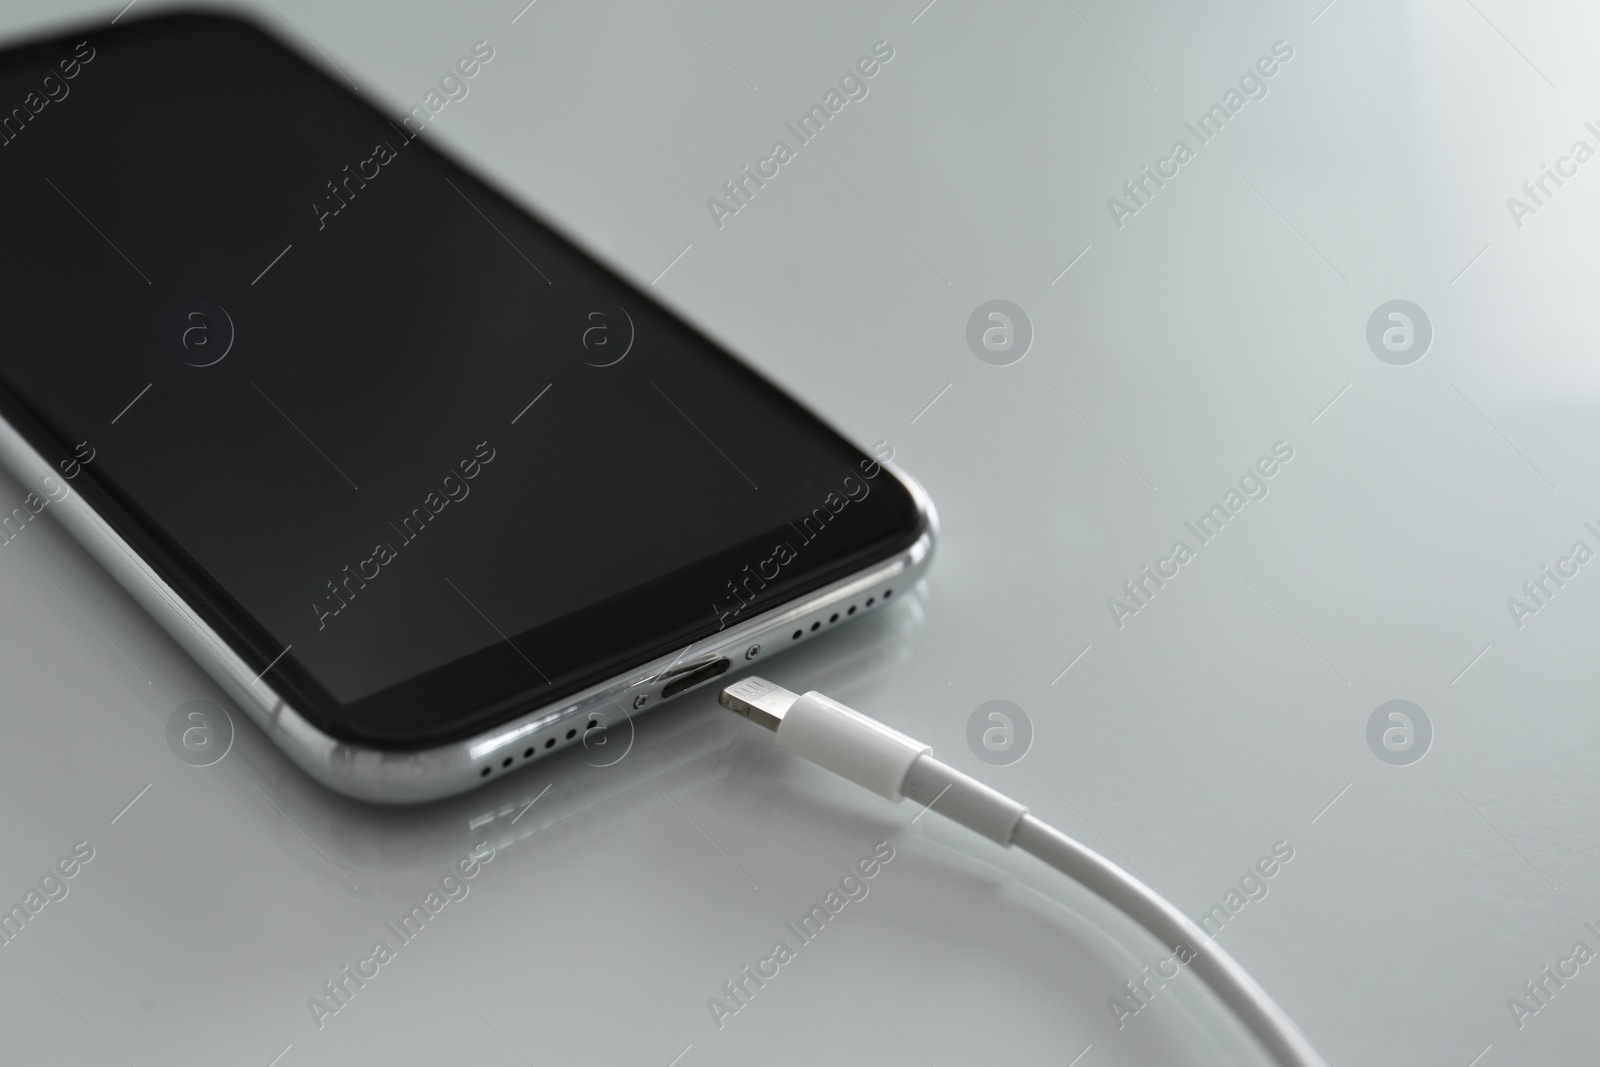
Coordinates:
(421, 483)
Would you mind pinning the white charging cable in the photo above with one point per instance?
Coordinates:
(895, 766)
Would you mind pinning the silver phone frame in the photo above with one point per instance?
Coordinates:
(409, 777)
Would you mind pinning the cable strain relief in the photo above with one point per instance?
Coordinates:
(963, 799)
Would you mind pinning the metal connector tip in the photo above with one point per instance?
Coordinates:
(762, 702)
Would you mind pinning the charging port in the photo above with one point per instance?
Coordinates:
(693, 677)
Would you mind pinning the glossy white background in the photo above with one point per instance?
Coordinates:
(1222, 718)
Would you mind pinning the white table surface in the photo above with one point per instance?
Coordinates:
(1228, 714)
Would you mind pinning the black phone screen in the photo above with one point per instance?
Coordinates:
(394, 436)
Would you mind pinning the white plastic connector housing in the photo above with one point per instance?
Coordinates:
(849, 744)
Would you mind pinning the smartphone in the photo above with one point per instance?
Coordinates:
(429, 490)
